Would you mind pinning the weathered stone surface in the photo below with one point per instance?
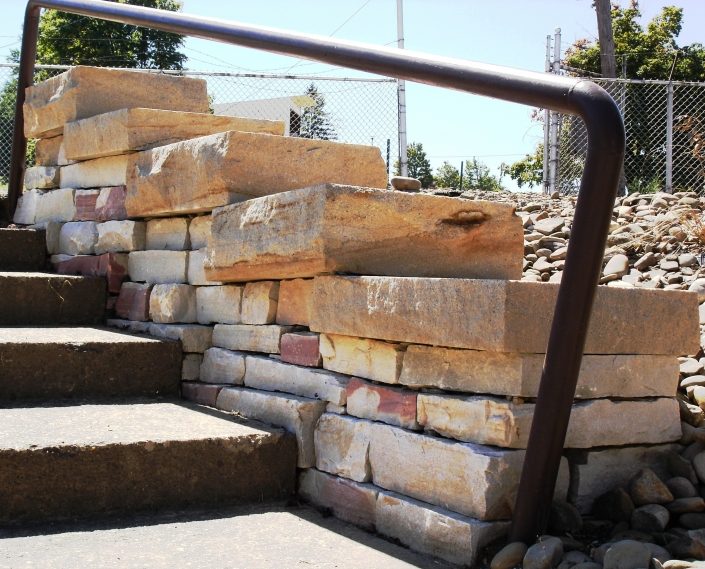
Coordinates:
(111, 266)
(170, 233)
(133, 129)
(222, 366)
(511, 555)
(172, 303)
(200, 393)
(78, 238)
(120, 237)
(544, 554)
(110, 171)
(631, 321)
(647, 488)
(193, 338)
(56, 205)
(133, 302)
(85, 202)
(381, 403)
(300, 348)
(196, 274)
(272, 375)
(295, 298)
(84, 92)
(348, 500)
(41, 177)
(342, 446)
(27, 205)
(433, 530)
(332, 228)
(110, 204)
(259, 302)
(50, 152)
(199, 230)
(191, 369)
(52, 231)
(203, 173)
(405, 184)
(296, 414)
(247, 338)
(503, 373)
(158, 267)
(219, 304)
(371, 359)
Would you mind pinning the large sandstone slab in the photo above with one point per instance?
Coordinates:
(50, 152)
(203, 173)
(343, 229)
(295, 301)
(83, 92)
(371, 359)
(504, 316)
(248, 338)
(342, 446)
(133, 129)
(98, 173)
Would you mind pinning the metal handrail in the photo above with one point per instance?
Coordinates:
(593, 212)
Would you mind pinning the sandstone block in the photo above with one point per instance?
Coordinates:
(120, 237)
(273, 375)
(51, 152)
(52, 231)
(296, 414)
(342, 447)
(219, 304)
(195, 274)
(56, 205)
(300, 348)
(349, 501)
(41, 177)
(191, 370)
(371, 359)
(133, 302)
(193, 338)
(259, 302)
(169, 233)
(85, 202)
(170, 303)
(332, 228)
(381, 403)
(158, 267)
(111, 266)
(200, 393)
(78, 238)
(203, 173)
(110, 204)
(415, 310)
(434, 530)
(503, 373)
(84, 92)
(294, 305)
(222, 366)
(247, 338)
(27, 206)
(110, 171)
(199, 230)
(132, 129)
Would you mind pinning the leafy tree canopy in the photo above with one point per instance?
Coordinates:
(418, 164)
(528, 170)
(447, 176)
(315, 121)
(478, 177)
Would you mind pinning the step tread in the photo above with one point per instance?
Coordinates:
(73, 335)
(42, 275)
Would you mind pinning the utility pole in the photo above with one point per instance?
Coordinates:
(555, 120)
(608, 63)
(401, 94)
(546, 123)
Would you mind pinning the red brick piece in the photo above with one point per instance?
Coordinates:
(133, 302)
(85, 204)
(201, 393)
(300, 348)
(112, 266)
(381, 403)
(111, 204)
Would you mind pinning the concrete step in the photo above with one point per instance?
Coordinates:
(45, 299)
(56, 363)
(22, 250)
(88, 460)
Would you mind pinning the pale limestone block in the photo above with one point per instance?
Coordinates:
(259, 302)
(200, 174)
(158, 267)
(247, 338)
(433, 530)
(415, 310)
(196, 274)
(382, 403)
(296, 414)
(84, 92)
(78, 238)
(169, 233)
(349, 501)
(56, 205)
(295, 298)
(272, 375)
(503, 373)
(322, 230)
(41, 177)
(27, 206)
(219, 304)
(191, 367)
(172, 303)
(193, 338)
(120, 236)
(337, 409)
(199, 230)
(52, 232)
(110, 171)
(371, 359)
(133, 129)
(342, 447)
(222, 366)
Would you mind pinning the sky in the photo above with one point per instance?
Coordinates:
(451, 126)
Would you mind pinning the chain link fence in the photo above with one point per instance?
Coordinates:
(352, 110)
(665, 131)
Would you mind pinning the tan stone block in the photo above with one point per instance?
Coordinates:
(120, 236)
(219, 304)
(381, 403)
(110, 171)
(273, 375)
(203, 173)
(169, 233)
(133, 302)
(191, 369)
(371, 359)
(195, 274)
(78, 238)
(200, 393)
(158, 267)
(296, 414)
(435, 531)
(52, 231)
(222, 366)
(495, 315)
(27, 206)
(56, 205)
(133, 129)
(84, 92)
(172, 303)
(199, 230)
(51, 152)
(259, 302)
(343, 229)
(41, 177)
(342, 447)
(193, 338)
(248, 338)
(295, 298)
(503, 373)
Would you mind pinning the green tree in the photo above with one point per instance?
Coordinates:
(418, 164)
(447, 176)
(315, 121)
(528, 170)
(477, 176)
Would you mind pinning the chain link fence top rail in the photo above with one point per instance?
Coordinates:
(345, 109)
(645, 108)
